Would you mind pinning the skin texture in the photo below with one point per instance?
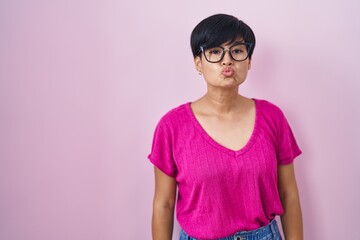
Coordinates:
(163, 206)
(291, 221)
(229, 119)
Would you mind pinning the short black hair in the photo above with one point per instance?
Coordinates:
(218, 29)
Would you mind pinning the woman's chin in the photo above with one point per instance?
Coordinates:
(231, 82)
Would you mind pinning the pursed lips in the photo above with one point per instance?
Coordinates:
(228, 71)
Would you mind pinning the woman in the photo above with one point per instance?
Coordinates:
(230, 157)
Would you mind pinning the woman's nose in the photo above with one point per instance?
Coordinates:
(227, 59)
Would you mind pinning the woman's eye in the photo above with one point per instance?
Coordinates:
(215, 51)
(237, 51)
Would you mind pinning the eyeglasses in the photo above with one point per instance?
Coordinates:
(238, 52)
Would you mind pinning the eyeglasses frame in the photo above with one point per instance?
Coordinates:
(248, 47)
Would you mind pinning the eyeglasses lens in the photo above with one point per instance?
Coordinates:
(238, 52)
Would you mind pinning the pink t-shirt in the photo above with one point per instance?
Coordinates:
(221, 191)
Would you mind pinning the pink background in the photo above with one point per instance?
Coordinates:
(83, 84)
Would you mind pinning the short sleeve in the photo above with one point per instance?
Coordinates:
(287, 147)
(161, 152)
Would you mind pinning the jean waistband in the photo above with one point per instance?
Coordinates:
(270, 231)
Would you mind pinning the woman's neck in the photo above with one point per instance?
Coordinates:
(223, 102)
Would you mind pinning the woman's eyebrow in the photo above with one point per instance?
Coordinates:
(234, 43)
(237, 42)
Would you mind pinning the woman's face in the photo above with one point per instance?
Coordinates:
(227, 73)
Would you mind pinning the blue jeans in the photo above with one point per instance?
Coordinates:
(268, 232)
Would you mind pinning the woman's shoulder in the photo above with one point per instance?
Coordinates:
(268, 108)
(175, 114)
(177, 111)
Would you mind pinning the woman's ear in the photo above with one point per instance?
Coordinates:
(198, 65)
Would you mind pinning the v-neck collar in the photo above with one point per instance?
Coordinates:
(217, 145)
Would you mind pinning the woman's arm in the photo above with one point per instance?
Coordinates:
(291, 221)
(163, 206)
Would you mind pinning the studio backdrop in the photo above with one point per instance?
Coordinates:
(84, 83)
